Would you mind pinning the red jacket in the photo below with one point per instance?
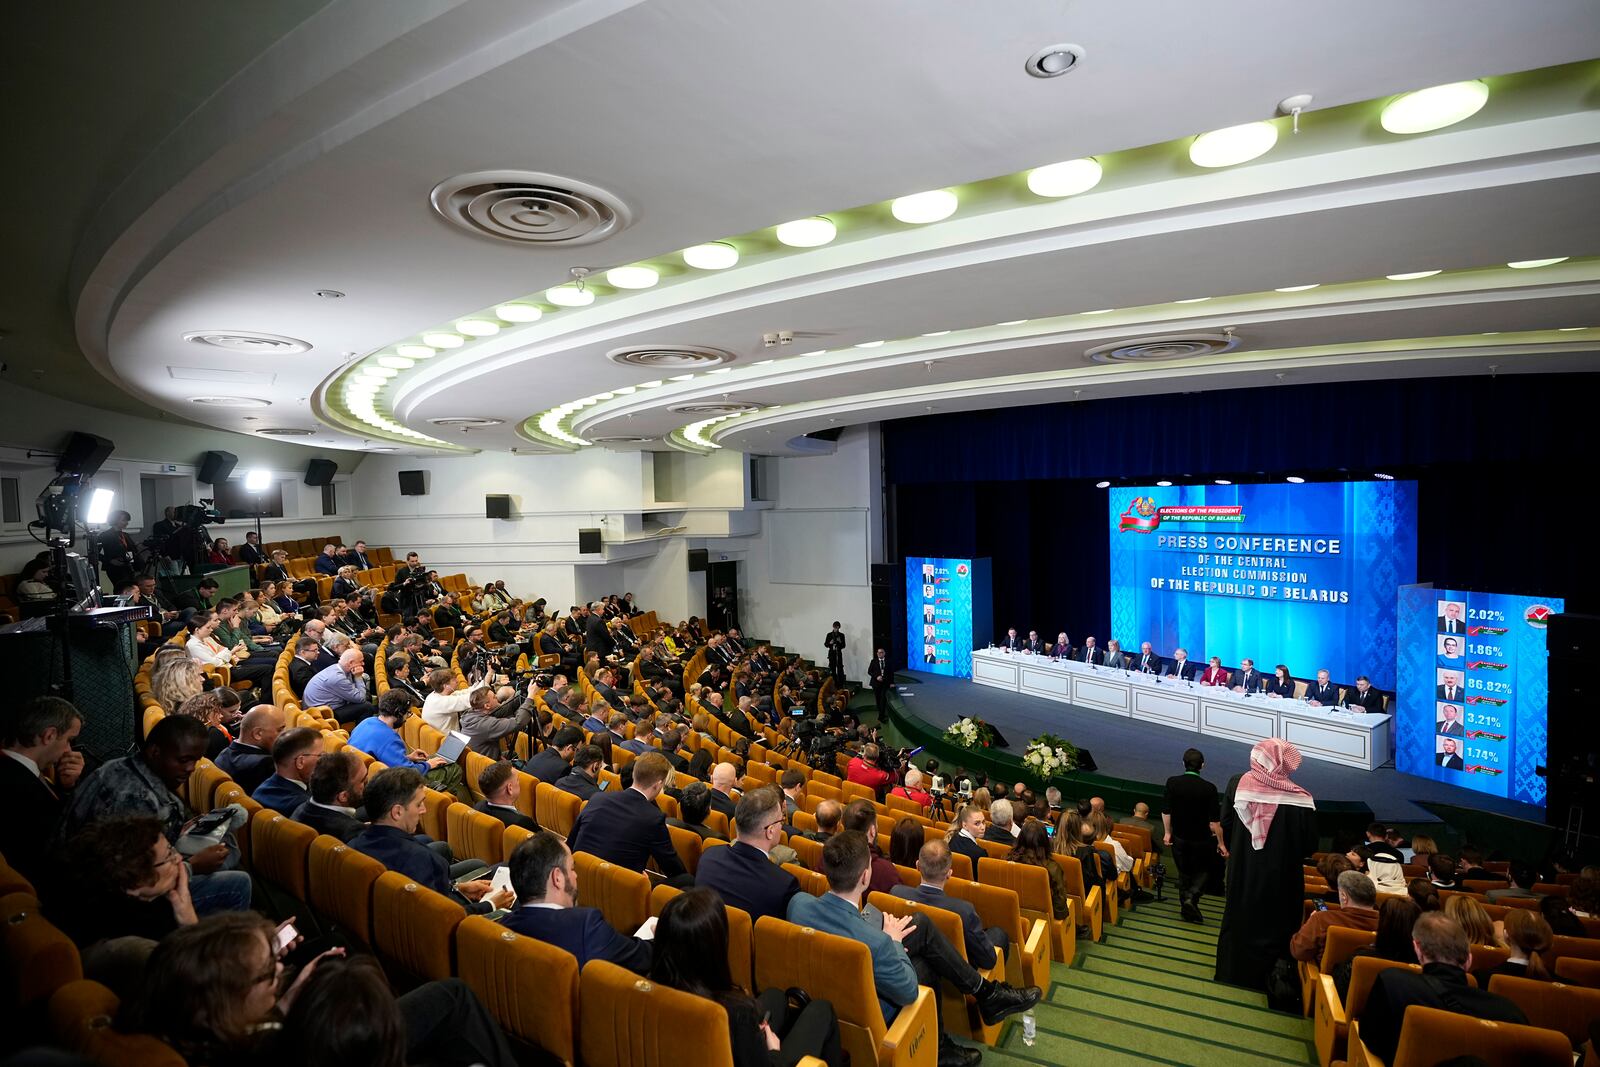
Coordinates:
(1214, 676)
(863, 773)
(917, 797)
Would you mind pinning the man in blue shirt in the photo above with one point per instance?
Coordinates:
(906, 952)
(342, 687)
(379, 737)
(294, 756)
(546, 881)
(396, 801)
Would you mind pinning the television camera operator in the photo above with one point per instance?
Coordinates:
(411, 588)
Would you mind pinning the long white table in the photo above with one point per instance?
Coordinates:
(1355, 739)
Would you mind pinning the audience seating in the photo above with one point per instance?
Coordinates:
(413, 927)
(1430, 1036)
(474, 835)
(1087, 907)
(1028, 952)
(1341, 944)
(341, 882)
(739, 935)
(961, 1015)
(1578, 971)
(39, 959)
(558, 809)
(1585, 948)
(687, 844)
(282, 851)
(1032, 888)
(841, 970)
(81, 1014)
(1568, 1009)
(813, 882)
(1332, 1019)
(628, 1021)
(623, 896)
(435, 818)
(529, 986)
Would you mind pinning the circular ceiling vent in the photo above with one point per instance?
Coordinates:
(621, 440)
(285, 431)
(231, 401)
(529, 208)
(1054, 60)
(1164, 349)
(270, 344)
(670, 357)
(465, 421)
(726, 407)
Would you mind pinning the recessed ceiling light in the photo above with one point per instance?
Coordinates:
(370, 376)
(1571, 329)
(1192, 300)
(1411, 275)
(1102, 485)
(714, 256)
(1164, 483)
(1101, 311)
(1223, 481)
(1068, 178)
(443, 340)
(1054, 60)
(1012, 322)
(330, 294)
(869, 344)
(478, 327)
(415, 351)
(632, 277)
(680, 378)
(921, 208)
(396, 362)
(1382, 477)
(569, 296)
(380, 372)
(1528, 264)
(720, 370)
(231, 401)
(518, 312)
(936, 333)
(1233, 145)
(1434, 108)
(762, 362)
(1296, 288)
(807, 233)
(1296, 479)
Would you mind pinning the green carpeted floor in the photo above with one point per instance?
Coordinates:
(1144, 995)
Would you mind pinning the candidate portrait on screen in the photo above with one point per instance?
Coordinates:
(928, 654)
(927, 592)
(1452, 617)
(927, 613)
(1449, 687)
(927, 630)
(1448, 754)
(1448, 718)
(1450, 652)
(927, 572)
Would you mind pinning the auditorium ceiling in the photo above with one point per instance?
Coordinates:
(553, 225)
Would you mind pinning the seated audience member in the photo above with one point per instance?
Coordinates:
(173, 680)
(1424, 894)
(1002, 829)
(1396, 917)
(1470, 866)
(501, 788)
(395, 802)
(1473, 919)
(864, 770)
(1529, 938)
(442, 710)
(147, 783)
(294, 758)
(583, 780)
(905, 843)
(337, 796)
(210, 707)
(965, 833)
(1442, 871)
(399, 669)
(723, 778)
(1331, 866)
(546, 909)
(1033, 848)
(491, 716)
(743, 874)
(984, 947)
(248, 760)
(327, 561)
(1584, 898)
(342, 688)
(626, 827)
(1559, 915)
(913, 791)
(792, 789)
(862, 817)
(691, 954)
(37, 737)
(1519, 886)
(202, 598)
(1358, 899)
(1443, 950)
(554, 761)
(694, 804)
(304, 666)
(905, 952)
(379, 737)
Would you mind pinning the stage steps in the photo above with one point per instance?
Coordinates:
(1144, 996)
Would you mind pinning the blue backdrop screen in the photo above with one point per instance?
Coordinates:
(1474, 689)
(1299, 574)
(945, 600)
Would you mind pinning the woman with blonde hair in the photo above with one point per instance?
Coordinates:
(981, 798)
(1422, 846)
(1473, 919)
(173, 680)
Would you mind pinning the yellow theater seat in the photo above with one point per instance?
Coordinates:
(413, 927)
(529, 986)
(341, 881)
(628, 1021)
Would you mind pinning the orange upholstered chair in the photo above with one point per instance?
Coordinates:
(39, 959)
(813, 882)
(281, 849)
(1341, 944)
(961, 1015)
(474, 835)
(623, 896)
(1553, 1005)
(1032, 887)
(414, 927)
(1331, 1019)
(341, 881)
(628, 1021)
(230, 792)
(529, 986)
(740, 932)
(1578, 971)
(1430, 1036)
(1086, 907)
(1028, 954)
(80, 1018)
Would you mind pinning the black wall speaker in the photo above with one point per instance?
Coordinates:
(413, 483)
(84, 454)
(498, 506)
(883, 601)
(1572, 766)
(321, 471)
(589, 541)
(699, 558)
(216, 466)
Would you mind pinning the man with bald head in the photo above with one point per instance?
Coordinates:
(342, 687)
(828, 814)
(933, 863)
(724, 776)
(248, 760)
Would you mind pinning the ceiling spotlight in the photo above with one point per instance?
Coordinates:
(1296, 479)
(396, 362)
(443, 340)
(569, 296)
(1192, 300)
(807, 233)
(415, 351)
(518, 312)
(478, 327)
(920, 208)
(1570, 329)
(381, 372)
(1054, 60)
(330, 294)
(1012, 322)
(1223, 481)
(1233, 145)
(1069, 178)
(1411, 275)
(632, 277)
(1528, 264)
(1102, 485)
(1296, 288)
(714, 256)
(1382, 477)
(1435, 108)
(869, 344)
(1164, 483)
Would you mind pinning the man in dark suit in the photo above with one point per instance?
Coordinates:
(971, 831)
(357, 556)
(1180, 667)
(37, 736)
(1447, 756)
(1365, 697)
(294, 756)
(1442, 949)
(984, 947)
(1035, 643)
(251, 551)
(546, 883)
(304, 666)
(248, 760)
(1450, 619)
(1248, 680)
(596, 635)
(627, 828)
(724, 776)
(1011, 641)
(327, 561)
(671, 742)
(694, 804)
(1148, 662)
(1088, 653)
(743, 874)
(582, 780)
(1322, 692)
(881, 677)
(1450, 725)
(501, 789)
(1449, 688)
(338, 789)
(1000, 829)
(555, 760)
(396, 799)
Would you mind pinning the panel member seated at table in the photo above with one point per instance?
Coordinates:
(1011, 642)
(1248, 680)
(1180, 667)
(1148, 662)
(1214, 673)
(1114, 657)
(1280, 684)
(1062, 649)
(1035, 643)
(1088, 653)
(1322, 693)
(1365, 697)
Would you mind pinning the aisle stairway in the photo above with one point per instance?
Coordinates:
(1145, 996)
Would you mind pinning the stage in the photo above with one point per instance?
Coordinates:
(1146, 752)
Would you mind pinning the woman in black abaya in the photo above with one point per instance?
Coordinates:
(1270, 826)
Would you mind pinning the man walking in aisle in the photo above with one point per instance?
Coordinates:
(1192, 822)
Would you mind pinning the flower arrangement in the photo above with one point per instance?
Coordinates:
(1048, 755)
(970, 733)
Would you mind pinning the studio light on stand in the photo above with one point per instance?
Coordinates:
(256, 482)
(99, 511)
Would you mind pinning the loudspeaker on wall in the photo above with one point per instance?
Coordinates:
(321, 471)
(497, 506)
(699, 559)
(84, 454)
(589, 541)
(413, 483)
(216, 466)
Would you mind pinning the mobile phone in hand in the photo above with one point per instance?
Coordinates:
(286, 935)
